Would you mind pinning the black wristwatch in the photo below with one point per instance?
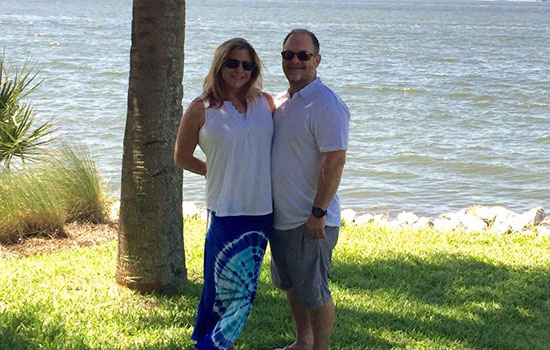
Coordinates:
(318, 212)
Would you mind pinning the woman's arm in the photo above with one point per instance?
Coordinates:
(188, 139)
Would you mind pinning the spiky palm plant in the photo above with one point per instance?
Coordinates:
(18, 137)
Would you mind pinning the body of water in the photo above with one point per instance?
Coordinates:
(450, 100)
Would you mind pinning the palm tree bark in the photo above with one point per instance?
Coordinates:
(150, 241)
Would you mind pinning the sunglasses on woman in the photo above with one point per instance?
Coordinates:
(232, 63)
(302, 55)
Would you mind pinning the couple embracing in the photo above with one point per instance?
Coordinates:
(272, 171)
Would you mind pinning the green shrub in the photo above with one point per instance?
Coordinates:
(39, 199)
(29, 205)
(79, 183)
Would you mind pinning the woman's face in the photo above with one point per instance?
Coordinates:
(235, 78)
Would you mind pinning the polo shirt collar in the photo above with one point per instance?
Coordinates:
(310, 88)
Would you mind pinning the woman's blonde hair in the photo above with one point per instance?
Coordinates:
(214, 90)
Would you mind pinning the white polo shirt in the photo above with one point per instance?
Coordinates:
(313, 121)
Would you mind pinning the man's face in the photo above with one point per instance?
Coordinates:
(300, 72)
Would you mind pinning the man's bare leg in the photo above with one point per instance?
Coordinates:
(322, 321)
(302, 321)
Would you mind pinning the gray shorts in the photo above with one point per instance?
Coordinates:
(301, 263)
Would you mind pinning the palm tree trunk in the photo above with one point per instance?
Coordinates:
(150, 241)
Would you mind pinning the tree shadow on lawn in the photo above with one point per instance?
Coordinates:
(456, 298)
(441, 300)
(446, 299)
(31, 327)
(172, 311)
(18, 331)
(270, 326)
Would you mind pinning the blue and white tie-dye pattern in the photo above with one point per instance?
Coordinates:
(234, 250)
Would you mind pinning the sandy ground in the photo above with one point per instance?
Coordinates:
(76, 235)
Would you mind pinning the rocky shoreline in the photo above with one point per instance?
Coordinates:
(496, 219)
(476, 218)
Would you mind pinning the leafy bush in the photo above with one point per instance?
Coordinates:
(28, 206)
(40, 199)
(78, 181)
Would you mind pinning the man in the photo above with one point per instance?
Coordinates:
(308, 156)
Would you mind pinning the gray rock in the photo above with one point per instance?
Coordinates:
(189, 209)
(543, 230)
(348, 215)
(364, 219)
(444, 224)
(472, 223)
(537, 214)
(394, 224)
(114, 211)
(423, 222)
(380, 219)
(407, 218)
(502, 227)
(503, 214)
(449, 216)
(490, 214)
(530, 218)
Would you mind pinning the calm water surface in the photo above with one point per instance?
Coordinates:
(450, 100)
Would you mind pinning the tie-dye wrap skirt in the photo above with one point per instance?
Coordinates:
(234, 250)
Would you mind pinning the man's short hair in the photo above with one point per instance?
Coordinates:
(304, 31)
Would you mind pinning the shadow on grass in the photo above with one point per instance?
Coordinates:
(172, 311)
(443, 301)
(32, 328)
(459, 299)
(26, 330)
(270, 325)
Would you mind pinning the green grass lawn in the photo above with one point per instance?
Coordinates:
(393, 290)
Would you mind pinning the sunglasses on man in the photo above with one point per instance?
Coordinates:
(302, 55)
(232, 63)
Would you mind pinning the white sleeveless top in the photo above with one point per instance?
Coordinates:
(238, 151)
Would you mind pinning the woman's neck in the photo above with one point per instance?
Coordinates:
(238, 102)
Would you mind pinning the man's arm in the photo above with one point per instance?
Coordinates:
(331, 172)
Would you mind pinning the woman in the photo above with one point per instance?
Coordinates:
(232, 123)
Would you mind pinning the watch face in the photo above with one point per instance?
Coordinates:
(318, 212)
